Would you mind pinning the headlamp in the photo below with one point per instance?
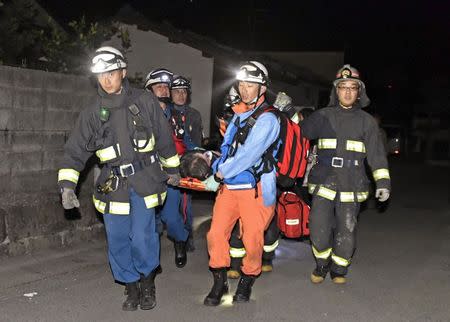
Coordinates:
(242, 74)
(252, 74)
(100, 64)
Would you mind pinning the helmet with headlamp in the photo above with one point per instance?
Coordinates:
(157, 76)
(180, 82)
(107, 59)
(253, 72)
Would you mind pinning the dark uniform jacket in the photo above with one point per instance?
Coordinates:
(192, 124)
(345, 138)
(143, 140)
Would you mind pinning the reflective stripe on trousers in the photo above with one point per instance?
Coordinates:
(133, 243)
(344, 196)
(123, 208)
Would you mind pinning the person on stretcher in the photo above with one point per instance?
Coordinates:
(195, 167)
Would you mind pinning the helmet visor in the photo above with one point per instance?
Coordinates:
(106, 61)
(180, 84)
(251, 74)
(106, 57)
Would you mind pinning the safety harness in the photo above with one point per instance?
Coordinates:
(142, 160)
(287, 154)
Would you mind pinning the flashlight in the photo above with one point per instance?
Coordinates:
(104, 114)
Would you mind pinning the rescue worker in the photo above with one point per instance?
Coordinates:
(159, 81)
(271, 235)
(191, 118)
(197, 164)
(189, 121)
(127, 131)
(346, 136)
(247, 194)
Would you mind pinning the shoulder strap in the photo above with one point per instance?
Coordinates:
(138, 119)
(140, 128)
(243, 131)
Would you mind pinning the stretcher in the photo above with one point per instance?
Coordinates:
(192, 184)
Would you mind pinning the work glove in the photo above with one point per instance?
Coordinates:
(382, 194)
(282, 101)
(69, 199)
(211, 184)
(97, 172)
(174, 179)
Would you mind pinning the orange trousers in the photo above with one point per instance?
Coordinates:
(255, 217)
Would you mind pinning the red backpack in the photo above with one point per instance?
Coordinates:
(291, 157)
(293, 215)
(293, 152)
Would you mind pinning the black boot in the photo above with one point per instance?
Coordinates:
(244, 289)
(180, 253)
(132, 301)
(319, 273)
(219, 288)
(148, 296)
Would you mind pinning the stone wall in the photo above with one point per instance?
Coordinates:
(37, 112)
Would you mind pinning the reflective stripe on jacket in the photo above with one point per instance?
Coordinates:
(346, 137)
(118, 142)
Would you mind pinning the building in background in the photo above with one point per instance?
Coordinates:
(211, 66)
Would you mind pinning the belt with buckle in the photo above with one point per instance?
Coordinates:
(337, 162)
(129, 169)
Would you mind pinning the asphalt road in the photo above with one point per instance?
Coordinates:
(400, 272)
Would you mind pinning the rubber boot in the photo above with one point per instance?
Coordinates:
(319, 274)
(338, 278)
(267, 265)
(233, 274)
(132, 301)
(180, 254)
(148, 291)
(219, 288)
(235, 268)
(244, 289)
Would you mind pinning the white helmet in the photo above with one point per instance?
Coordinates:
(253, 72)
(106, 59)
(156, 76)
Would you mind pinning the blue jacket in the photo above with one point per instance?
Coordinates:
(237, 169)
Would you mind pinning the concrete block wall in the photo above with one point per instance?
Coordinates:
(37, 113)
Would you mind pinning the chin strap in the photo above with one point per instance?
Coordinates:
(165, 100)
(257, 100)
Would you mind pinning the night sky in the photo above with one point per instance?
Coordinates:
(393, 43)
